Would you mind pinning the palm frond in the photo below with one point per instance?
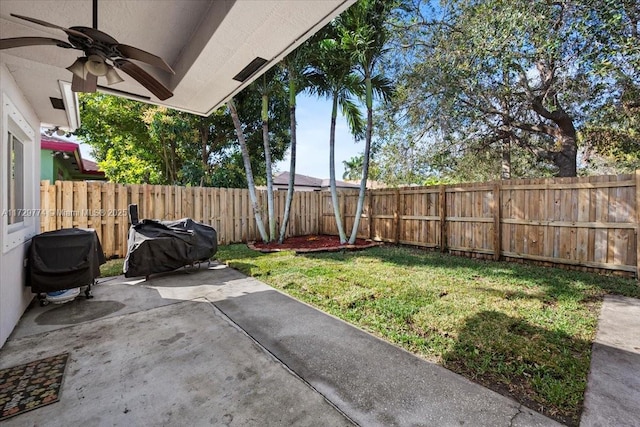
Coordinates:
(353, 116)
(383, 88)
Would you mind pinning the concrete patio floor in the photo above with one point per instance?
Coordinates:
(214, 347)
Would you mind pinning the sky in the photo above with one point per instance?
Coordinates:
(314, 118)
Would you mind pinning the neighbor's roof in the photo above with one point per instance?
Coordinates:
(309, 181)
(85, 167)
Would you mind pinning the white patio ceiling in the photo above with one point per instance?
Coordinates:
(206, 42)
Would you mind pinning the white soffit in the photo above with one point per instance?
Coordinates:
(206, 43)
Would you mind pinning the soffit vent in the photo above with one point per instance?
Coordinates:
(57, 103)
(250, 69)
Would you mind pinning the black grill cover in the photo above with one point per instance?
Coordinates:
(160, 246)
(64, 259)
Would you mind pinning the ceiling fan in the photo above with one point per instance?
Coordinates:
(102, 56)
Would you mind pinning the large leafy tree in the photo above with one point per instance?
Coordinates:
(500, 76)
(140, 143)
(611, 136)
(120, 141)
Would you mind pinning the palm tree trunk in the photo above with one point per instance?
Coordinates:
(365, 160)
(292, 162)
(247, 167)
(267, 159)
(332, 170)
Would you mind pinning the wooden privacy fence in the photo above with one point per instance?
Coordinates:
(589, 222)
(103, 206)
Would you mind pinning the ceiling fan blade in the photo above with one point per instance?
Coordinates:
(32, 41)
(69, 31)
(90, 84)
(144, 78)
(143, 56)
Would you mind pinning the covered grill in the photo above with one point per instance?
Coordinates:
(64, 259)
(161, 246)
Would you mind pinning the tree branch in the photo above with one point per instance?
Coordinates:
(539, 128)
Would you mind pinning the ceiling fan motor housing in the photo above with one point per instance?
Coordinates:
(99, 48)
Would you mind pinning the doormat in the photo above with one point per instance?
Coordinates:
(32, 385)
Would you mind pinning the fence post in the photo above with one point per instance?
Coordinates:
(497, 228)
(396, 216)
(320, 209)
(638, 225)
(44, 205)
(343, 212)
(443, 218)
(370, 214)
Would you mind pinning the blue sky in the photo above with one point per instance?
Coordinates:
(314, 117)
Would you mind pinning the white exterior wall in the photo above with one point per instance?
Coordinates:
(15, 112)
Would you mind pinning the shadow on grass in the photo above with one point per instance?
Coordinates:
(557, 283)
(543, 369)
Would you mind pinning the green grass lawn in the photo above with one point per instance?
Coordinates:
(521, 330)
(113, 267)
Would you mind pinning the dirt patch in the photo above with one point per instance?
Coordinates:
(311, 243)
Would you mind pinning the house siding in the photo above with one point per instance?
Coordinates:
(14, 295)
(46, 166)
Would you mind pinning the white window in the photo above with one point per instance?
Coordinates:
(20, 218)
(15, 180)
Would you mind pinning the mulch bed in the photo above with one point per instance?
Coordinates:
(312, 243)
(32, 385)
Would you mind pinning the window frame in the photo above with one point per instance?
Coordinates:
(14, 123)
(20, 171)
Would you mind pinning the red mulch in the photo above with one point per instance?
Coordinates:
(312, 243)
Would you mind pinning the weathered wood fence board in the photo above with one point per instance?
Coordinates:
(589, 222)
(103, 206)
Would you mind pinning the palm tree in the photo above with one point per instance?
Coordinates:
(294, 65)
(332, 77)
(364, 35)
(247, 167)
(270, 84)
(352, 167)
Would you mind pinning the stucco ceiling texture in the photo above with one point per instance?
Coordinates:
(206, 42)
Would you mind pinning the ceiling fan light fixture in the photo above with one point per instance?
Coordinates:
(98, 48)
(112, 76)
(96, 66)
(78, 68)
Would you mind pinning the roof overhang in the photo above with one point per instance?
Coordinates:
(206, 42)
